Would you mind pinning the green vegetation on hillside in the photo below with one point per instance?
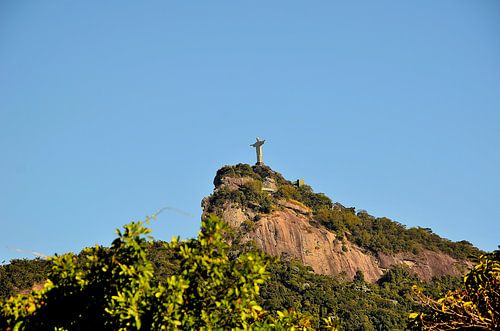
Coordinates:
(126, 280)
(377, 234)
(141, 284)
(21, 274)
(381, 234)
(116, 289)
(250, 195)
(358, 305)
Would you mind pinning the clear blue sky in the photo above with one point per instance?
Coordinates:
(112, 110)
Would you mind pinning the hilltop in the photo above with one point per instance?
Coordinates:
(288, 219)
(335, 261)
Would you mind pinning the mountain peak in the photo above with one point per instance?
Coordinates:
(289, 219)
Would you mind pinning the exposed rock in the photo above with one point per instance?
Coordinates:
(296, 206)
(35, 287)
(269, 184)
(426, 265)
(287, 231)
(290, 231)
(234, 183)
(235, 216)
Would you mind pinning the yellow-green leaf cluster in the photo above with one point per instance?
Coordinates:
(476, 307)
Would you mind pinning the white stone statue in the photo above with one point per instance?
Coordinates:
(258, 148)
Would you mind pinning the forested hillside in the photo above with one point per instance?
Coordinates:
(283, 293)
(222, 279)
(286, 218)
(377, 234)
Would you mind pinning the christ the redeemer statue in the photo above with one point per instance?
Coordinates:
(258, 148)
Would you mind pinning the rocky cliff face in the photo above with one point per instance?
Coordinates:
(289, 229)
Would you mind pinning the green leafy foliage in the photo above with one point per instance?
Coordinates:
(208, 274)
(289, 287)
(115, 288)
(304, 194)
(236, 171)
(475, 307)
(250, 195)
(358, 305)
(381, 234)
(102, 289)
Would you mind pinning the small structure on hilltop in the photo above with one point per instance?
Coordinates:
(299, 183)
(258, 148)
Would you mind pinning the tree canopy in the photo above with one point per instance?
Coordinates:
(115, 289)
